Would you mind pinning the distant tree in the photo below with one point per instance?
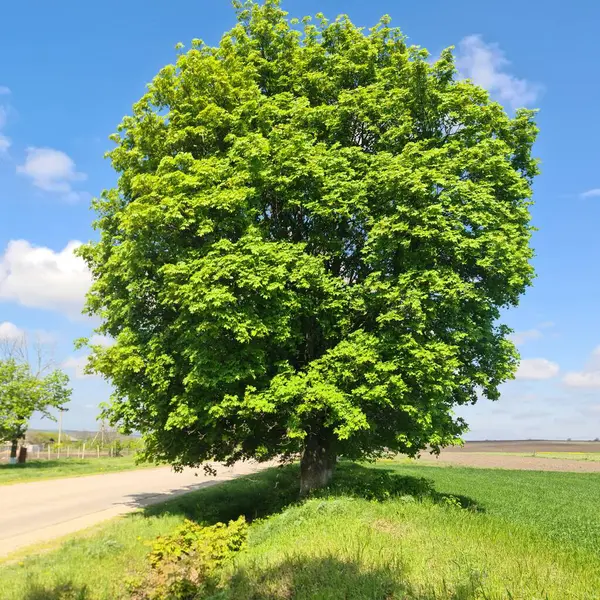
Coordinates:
(19, 395)
(313, 234)
(34, 351)
(29, 383)
(22, 394)
(40, 437)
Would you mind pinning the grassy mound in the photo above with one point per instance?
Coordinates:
(384, 532)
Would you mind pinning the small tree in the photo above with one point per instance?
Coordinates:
(308, 248)
(31, 384)
(22, 394)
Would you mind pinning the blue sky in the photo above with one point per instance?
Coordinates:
(70, 70)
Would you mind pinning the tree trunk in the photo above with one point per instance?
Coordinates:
(13, 452)
(317, 463)
(22, 458)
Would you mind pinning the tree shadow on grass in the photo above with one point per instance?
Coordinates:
(269, 492)
(254, 496)
(62, 591)
(384, 484)
(330, 578)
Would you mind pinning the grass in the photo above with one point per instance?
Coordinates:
(587, 456)
(593, 456)
(391, 531)
(35, 470)
(558, 506)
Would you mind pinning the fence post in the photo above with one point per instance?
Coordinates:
(98, 451)
(68, 451)
(83, 450)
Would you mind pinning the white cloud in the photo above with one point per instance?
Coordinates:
(582, 379)
(77, 364)
(75, 196)
(5, 142)
(101, 340)
(42, 336)
(531, 414)
(589, 377)
(593, 193)
(9, 331)
(537, 369)
(485, 64)
(52, 171)
(519, 398)
(521, 337)
(4, 91)
(42, 278)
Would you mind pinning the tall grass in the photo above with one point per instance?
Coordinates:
(560, 506)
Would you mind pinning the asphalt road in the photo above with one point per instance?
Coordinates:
(39, 511)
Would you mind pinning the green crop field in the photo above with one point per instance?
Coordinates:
(35, 470)
(383, 532)
(592, 456)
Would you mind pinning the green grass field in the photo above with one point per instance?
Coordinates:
(593, 456)
(34, 470)
(386, 532)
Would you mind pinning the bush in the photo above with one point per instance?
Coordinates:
(117, 449)
(186, 564)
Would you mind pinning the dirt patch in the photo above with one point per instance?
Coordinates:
(503, 461)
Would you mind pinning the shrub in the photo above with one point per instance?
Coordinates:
(186, 564)
(117, 449)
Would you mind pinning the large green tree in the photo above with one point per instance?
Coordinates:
(23, 393)
(313, 233)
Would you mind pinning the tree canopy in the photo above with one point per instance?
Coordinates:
(314, 230)
(22, 393)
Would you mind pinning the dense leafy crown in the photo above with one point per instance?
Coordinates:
(22, 393)
(313, 232)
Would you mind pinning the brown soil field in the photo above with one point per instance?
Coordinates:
(489, 454)
(527, 446)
